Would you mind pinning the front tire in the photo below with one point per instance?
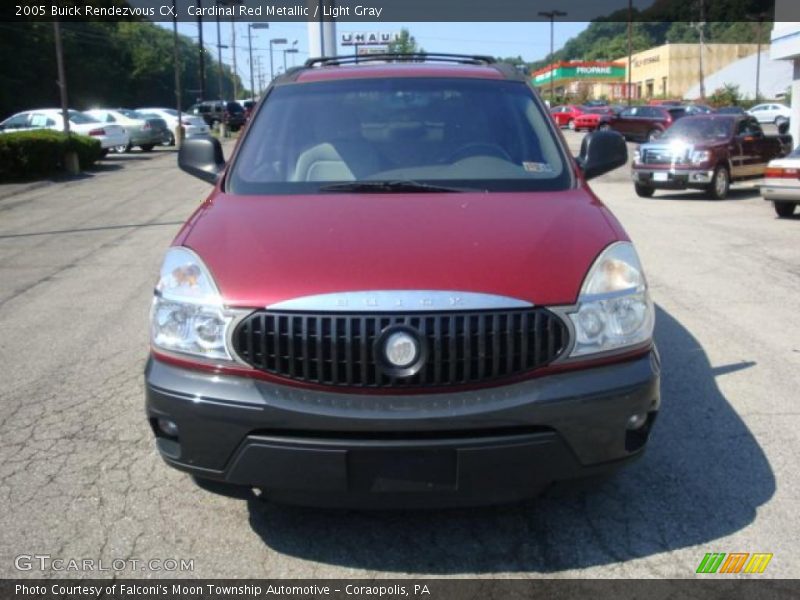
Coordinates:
(147, 148)
(720, 184)
(653, 135)
(604, 127)
(643, 191)
(571, 124)
(784, 209)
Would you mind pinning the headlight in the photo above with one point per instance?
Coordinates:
(614, 309)
(637, 156)
(187, 315)
(701, 156)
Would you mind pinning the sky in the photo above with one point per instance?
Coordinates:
(529, 40)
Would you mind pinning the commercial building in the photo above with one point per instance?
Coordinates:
(577, 77)
(666, 71)
(785, 45)
(773, 76)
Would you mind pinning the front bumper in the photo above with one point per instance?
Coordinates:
(484, 446)
(673, 178)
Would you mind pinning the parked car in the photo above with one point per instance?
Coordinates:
(770, 112)
(705, 152)
(144, 131)
(214, 112)
(192, 125)
(730, 110)
(311, 337)
(698, 109)
(248, 106)
(781, 184)
(590, 118)
(642, 123)
(109, 135)
(665, 103)
(565, 115)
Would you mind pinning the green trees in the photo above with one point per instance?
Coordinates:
(107, 64)
(406, 44)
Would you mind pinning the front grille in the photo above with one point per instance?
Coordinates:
(338, 349)
(664, 156)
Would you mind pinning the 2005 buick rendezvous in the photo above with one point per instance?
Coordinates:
(401, 292)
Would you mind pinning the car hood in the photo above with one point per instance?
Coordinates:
(531, 246)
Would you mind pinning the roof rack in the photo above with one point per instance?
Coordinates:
(464, 59)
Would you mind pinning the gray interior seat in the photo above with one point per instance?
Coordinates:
(321, 163)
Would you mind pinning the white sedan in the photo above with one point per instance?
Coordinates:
(107, 134)
(770, 112)
(781, 184)
(192, 125)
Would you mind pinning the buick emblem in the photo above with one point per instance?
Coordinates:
(401, 349)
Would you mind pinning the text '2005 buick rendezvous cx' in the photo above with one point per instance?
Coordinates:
(401, 292)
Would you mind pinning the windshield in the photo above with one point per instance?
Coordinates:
(460, 133)
(700, 129)
(131, 114)
(79, 118)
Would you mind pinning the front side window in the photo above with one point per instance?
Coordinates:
(469, 133)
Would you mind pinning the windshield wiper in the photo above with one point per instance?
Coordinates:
(393, 187)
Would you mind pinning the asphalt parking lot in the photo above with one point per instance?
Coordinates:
(80, 477)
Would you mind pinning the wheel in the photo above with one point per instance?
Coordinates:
(571, 124)
(720, 184)
(122, 149)
(170, 141)
(653, 135)
(784, 209)
(643, 191)
(604, 127)
(103, 152)
(147, 148)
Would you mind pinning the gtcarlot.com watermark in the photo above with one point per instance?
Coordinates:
(46, 562)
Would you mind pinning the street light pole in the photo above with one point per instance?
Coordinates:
(271, 65)
(759, 17)
(552, 14)
(285, 52)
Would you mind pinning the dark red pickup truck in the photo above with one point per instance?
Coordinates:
(706, 152)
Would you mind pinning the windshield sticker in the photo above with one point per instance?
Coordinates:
(537, 167)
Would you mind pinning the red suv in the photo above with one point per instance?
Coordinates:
(642, 123)
(401, 292)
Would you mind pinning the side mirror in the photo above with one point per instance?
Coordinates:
(202, 157)
(601, 152)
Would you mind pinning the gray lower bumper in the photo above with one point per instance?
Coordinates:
(472, 447)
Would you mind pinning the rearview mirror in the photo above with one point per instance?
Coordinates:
(202, 157)
(601, 152)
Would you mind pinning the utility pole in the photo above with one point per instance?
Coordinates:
(178, 134)
(552, 14)
(759, 17)
(630, 51)
(202, 50)
(233, 50)
(219, 59)
(62, 78)
(700, 26)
